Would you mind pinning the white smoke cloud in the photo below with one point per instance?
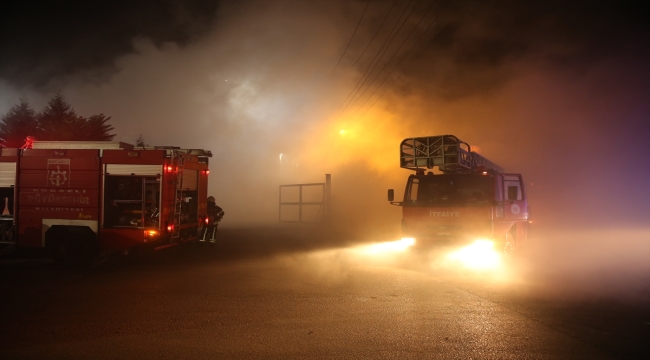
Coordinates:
(261, 83)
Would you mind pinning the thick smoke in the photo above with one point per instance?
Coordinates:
(556, 92)
(42, 40)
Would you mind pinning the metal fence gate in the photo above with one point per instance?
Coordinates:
(306, 203)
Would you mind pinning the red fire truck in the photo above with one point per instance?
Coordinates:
(470, 198)
(80, 200)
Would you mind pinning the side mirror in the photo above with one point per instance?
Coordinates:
(391, 195)
(513, 192)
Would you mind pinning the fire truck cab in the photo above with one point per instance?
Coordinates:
(83, 199)
(471, 198)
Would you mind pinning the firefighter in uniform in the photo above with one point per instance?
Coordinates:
(215, 213)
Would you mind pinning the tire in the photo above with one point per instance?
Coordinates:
(74, 246)
(508, 247)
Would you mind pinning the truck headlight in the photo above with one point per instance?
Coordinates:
(479, 255)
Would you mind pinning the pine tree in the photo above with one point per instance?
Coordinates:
(96, 129)
(140, 141)
(59, 121)
(17, 124)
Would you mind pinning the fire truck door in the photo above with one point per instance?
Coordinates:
(515, 205)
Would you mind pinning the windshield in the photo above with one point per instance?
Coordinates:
(448, 190)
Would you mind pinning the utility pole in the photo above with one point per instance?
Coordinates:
(328, 198)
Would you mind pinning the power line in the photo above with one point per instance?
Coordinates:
(391, 59)
(383, 50)
(401, 60)
(374, 62)
(354, 33)
(373, 38)
(409, 65)
(376, 32)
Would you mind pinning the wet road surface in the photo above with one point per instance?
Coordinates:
(273, 293)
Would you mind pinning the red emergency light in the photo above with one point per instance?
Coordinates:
(170, 227)
(169, 168)
(206, 172)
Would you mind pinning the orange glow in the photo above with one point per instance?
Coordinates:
(151, 233)
(387, 247)
(480, 255)
(372, 139)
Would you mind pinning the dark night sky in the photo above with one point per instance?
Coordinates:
(44, 39)
(555, 90)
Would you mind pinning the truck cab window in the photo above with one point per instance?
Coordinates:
(413, 190)
(450, 190)
(512, 187)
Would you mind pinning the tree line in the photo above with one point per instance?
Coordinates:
(57, 121)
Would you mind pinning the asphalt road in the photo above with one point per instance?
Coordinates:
(276, 293)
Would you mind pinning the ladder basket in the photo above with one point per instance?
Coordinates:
(447, 152)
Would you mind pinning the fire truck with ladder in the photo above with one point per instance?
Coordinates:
(81, 200)
(469, 199)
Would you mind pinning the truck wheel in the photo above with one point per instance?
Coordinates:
(75, 247)
(508, 247)
(509, 242)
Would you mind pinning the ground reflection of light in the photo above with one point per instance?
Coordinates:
(390, 246)
(479, 255)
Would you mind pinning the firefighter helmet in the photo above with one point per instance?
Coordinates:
(210, 198)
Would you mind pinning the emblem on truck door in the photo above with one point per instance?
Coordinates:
(514, 209)
(58, 172)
